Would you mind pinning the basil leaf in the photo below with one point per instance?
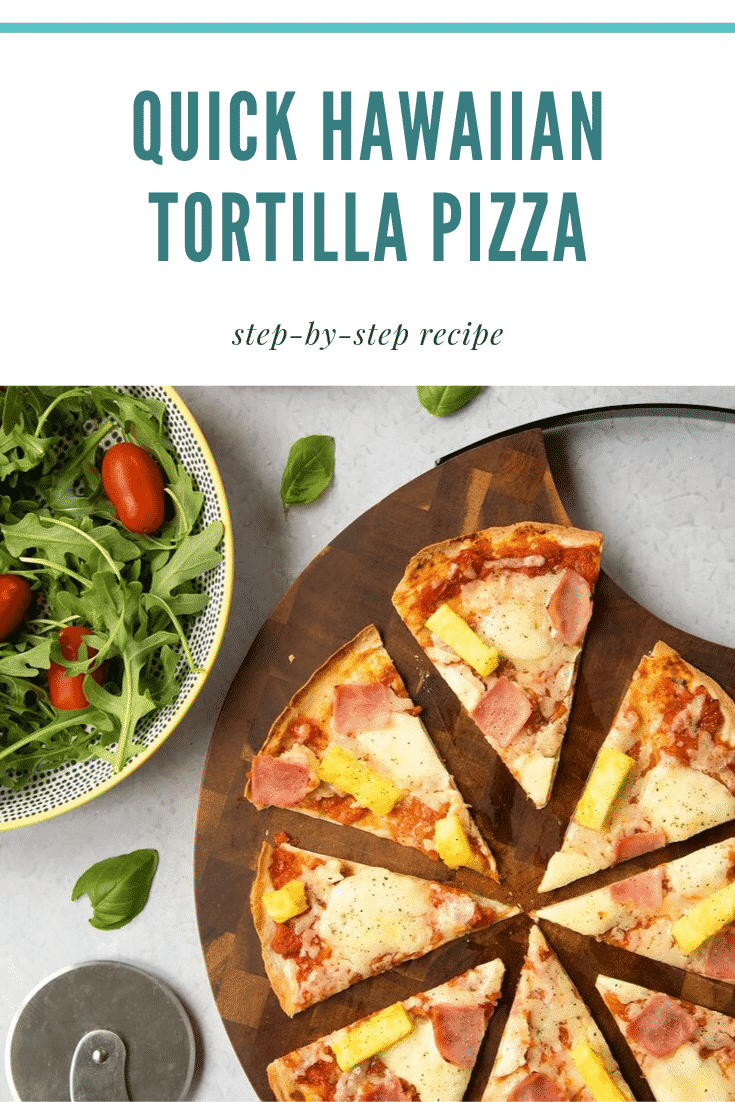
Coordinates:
(308, 470)
(441, 400)
(117, 887)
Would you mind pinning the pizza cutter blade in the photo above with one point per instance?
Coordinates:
(101, 1030)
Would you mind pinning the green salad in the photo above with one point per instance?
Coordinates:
(136, 593)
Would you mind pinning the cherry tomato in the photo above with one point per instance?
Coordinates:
(67, 692)
(134, 484)
(15, 598)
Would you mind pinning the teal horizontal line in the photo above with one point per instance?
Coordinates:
(367, 28)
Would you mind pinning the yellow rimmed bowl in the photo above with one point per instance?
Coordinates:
(52, 792)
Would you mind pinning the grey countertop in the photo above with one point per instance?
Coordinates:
(661, 491)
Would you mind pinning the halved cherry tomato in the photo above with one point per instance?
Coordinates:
(134, 484)
(67, 692)
(15, 599)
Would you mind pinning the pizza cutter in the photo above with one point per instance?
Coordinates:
(100, 1031)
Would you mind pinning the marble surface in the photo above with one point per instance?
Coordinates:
(661, 490)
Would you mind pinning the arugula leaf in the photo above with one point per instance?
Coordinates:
(25, 663)
(117, 887)
(308, 470)
(58, 538)
(195, 556)
(442, 400)
(187, 500)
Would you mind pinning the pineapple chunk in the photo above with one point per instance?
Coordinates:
(457, 634)
(366, 1038)
(452, 845)
(704, 920)
(595, 1074)
(605, 781)
(370, 788)
(287, 902)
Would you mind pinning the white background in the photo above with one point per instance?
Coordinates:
(84, 299)
(85, 292)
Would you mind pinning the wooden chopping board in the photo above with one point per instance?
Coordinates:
(348, 586)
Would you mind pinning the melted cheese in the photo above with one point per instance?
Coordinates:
(375, 912)
(682, 802)
(417, 1060)
(564, 867)
(536, 775)
(403, 751)
(519, 628)
(512, 608)
(464, 684)
(514, 1046)
(702, 872)
(686, 1077)
(592, 914)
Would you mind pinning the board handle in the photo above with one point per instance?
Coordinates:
(601, 413)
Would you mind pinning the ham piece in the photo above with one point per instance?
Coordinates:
(458, 1032)
(633, 845)
(644, 890)
(537, 1087)
(502, 711)
(278, 783)
(662, 1026)
(570, 607)
(360, 707)
(720, 960)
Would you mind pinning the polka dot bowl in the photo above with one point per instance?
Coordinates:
(52, 792)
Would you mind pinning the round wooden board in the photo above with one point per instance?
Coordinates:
(348, 586)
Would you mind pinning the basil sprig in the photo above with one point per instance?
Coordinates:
(441, 400)
(308, 470)
(117, 887)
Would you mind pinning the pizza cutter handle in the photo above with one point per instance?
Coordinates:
(97, 1071)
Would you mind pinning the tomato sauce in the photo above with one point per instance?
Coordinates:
(321, 1075)
(285, 942)
(339, 808)
(308, 733)
(307, 964)
(415, 820)
(617, 1006)
(284, 866)
(712, 718)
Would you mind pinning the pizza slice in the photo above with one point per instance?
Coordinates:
(551, 1048)
(325, 924)
(685, 1051)
(502, 615)
(422, 1048)
(681, 913)
(665, 771)
(350, 747)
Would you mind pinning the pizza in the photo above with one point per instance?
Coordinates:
(325, 923)
(685, 1051)
(350, 747)
(681, 913)
(551, 1048)
(422, 1048)
(502, 615)
(665, 771)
